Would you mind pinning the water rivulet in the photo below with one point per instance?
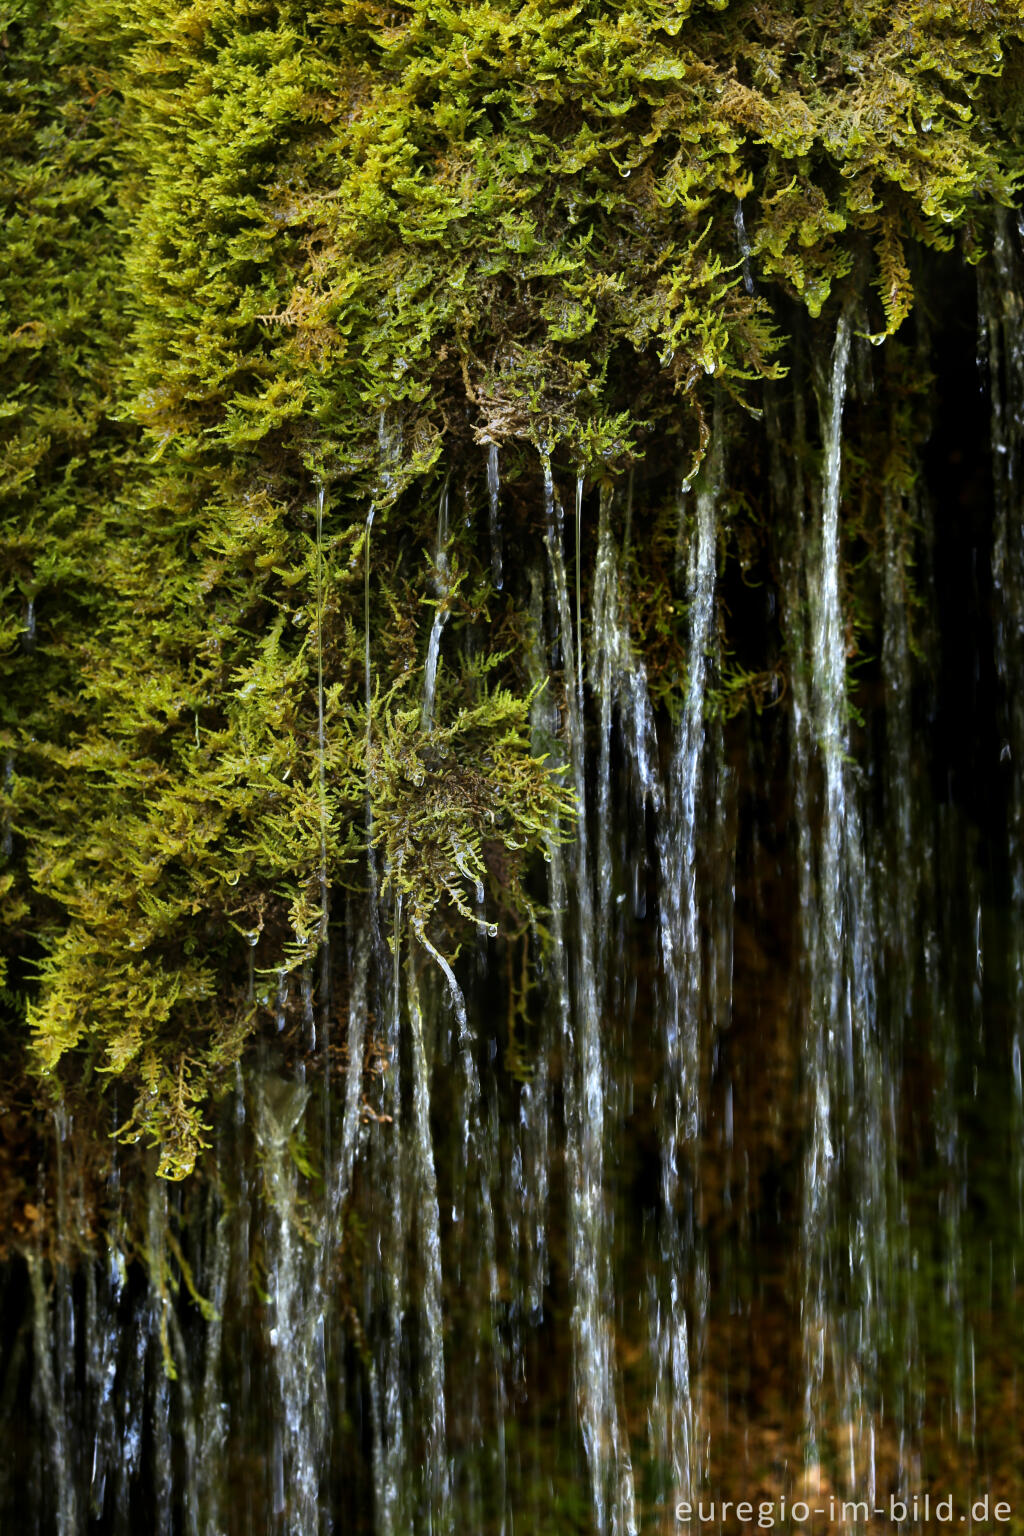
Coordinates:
(697, 1177)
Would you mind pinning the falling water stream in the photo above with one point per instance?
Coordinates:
(704, 1185)
(440, 613)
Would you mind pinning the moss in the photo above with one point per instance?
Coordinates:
(254, 249)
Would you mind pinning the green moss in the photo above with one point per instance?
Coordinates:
(251, 249)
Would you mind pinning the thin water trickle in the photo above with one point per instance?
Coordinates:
(494, 504)
(432, 1381)
(442, 593)
(1001, 348)
(743, 242)
(54, 1405)
(604, 1436)
(618, 680)
(850, 1180)
(292, 1326)
(368, 668)
(324, 936)
(579, 589)
(674, 1427)
(829, 1020)
(321, 734)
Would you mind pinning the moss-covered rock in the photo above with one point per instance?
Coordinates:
(272, 275)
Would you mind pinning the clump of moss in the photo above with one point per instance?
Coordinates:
(441, 802)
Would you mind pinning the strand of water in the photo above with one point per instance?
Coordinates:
(355, 1044)
(848, 1141)
(213, 1421)
(905, 860)
(828, 672)
(1001, 326)
(320, 728)
(388, 1283)
(161, 1367)
(293, 1327)
(584, 1090)
(673, 1425)
(494, 504)
(743, 241)
(442, 592)
(432, 1369)
(104, 1284)
(54, 1406)
(618, 679)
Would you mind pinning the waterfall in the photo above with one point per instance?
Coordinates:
(697, 1176)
